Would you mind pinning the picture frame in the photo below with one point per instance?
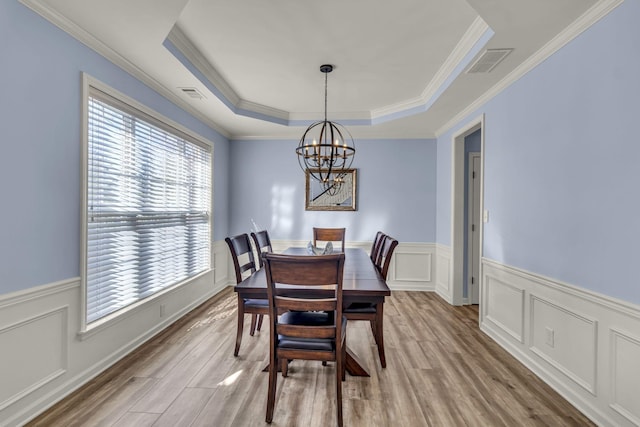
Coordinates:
(319, 199)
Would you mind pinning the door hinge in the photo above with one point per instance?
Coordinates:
(473, 175)
(473, 227)
(472, 280)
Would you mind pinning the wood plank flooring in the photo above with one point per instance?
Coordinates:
(441, 371)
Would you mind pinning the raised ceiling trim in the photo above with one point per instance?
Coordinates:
(476, 32)
(586, 20)
(181, 47)
(473, 40)
(99, 47)
(183, 44)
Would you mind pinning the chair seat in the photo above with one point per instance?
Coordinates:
(360, 307)
(307, 318)
(258, 303)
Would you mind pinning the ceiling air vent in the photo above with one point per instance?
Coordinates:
(488, 60)
(192, 92)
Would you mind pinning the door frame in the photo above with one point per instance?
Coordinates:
(458, 208)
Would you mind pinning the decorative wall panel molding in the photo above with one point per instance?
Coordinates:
(625, 355)
(504, 306)
(43, 357)
(577, 341)
(412, 267)
(558, 334)
(45, 353)
(443, 273)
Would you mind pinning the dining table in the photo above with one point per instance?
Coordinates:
(361, 283)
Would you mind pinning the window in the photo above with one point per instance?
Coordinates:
(148, 199)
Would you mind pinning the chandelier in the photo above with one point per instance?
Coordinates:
(326, 149)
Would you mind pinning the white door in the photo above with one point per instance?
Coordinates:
(473, 230)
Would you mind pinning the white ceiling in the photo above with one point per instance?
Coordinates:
(399, 65)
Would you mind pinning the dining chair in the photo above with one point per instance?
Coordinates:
(311, 326)
(240, 247)
(262, 243)
(374, 312)
(328, 235)
(375, 246)
(385, 252)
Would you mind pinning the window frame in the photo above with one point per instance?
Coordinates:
(90, 86)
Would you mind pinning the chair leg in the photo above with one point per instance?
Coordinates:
(379, 335)
(284, 367)
(339, 370)
(344, 362)
(374, 332)
(254, 318)
(240, 325)
(271, 394)
(260, 317)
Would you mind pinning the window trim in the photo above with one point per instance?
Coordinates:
(90, 84)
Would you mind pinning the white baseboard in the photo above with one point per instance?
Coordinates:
(585, 345)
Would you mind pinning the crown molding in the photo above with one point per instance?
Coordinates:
(102, 49)
(586, 20)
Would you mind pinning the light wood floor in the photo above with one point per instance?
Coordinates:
(441, 371)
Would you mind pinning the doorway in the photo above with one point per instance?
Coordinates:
(473, 228)
(462, 263)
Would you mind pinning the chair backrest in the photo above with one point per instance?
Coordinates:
(262, 243)
(239, 246)
(329, 235)
(291, 280)
(375, 246)
(385, 253)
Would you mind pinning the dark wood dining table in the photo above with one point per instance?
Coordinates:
(361, 282)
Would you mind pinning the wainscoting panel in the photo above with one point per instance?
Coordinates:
(44, 355)
(558, 334)
(443, 273)
(411, 267)
(625, 357)
(585, 345)
(504, 307)
(222, 264)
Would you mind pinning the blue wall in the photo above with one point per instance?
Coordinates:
(396, 191)
(561, 161)
(40, 165)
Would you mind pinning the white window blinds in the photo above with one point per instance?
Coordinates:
(148, 203)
